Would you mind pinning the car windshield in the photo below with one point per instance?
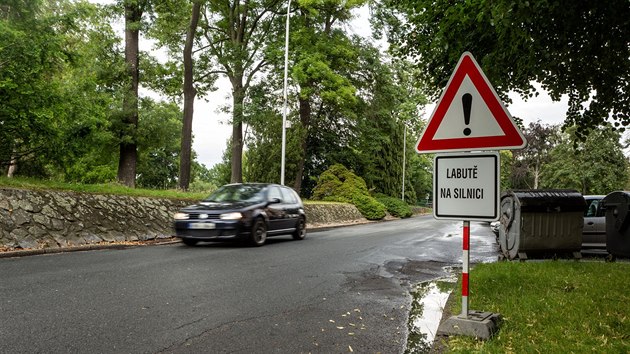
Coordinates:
(238, 193)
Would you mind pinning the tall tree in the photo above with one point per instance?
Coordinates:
(596, 165)
(128, 158)
(176, 27)
(529, 161)
(578, 48)
(189, 98)
(236, 32)
(389, 103)
(321, 51)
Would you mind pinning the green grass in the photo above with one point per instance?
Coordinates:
(111, 188)
(551, 307)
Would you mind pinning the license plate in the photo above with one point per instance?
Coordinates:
(201, 225)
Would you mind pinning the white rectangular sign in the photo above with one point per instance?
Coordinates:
(466, 186)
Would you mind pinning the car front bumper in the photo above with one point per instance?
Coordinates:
(211, 230)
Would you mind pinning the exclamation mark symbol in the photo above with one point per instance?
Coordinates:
(467, 103)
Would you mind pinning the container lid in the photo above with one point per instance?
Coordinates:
(548, 200)
(617, 197)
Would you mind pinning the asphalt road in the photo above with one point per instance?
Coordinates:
(338, 291)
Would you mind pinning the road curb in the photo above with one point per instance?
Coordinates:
(40, 251)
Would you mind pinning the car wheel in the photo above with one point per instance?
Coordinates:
(189, 241)
(259, 233)
(300, 230)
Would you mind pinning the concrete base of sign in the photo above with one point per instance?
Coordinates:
(481, 325)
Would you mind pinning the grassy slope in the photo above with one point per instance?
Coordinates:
(111, 188)
(552, 307)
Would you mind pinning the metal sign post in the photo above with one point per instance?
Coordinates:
(465, 264)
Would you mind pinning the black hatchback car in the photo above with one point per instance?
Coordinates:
(243, 211)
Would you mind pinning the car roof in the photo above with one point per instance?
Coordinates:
(261, 184)
(251, 184)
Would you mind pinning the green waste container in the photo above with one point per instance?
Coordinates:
(540, 221)
(617, 223)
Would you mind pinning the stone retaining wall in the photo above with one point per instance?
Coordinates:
(50, 219)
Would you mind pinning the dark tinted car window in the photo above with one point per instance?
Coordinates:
(274, 192)
(288, 195)
(594, 209)
(238, 193)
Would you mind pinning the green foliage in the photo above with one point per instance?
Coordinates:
(507, 160)
(575, 48)
(594, 166)
(31, 57)
(526, 171)
(420, 176)
(395, 206)
(159, 135)
(339, 182)
(371, 208)
(341, 185)
(219, 174)
(61, 86)
(264, 143)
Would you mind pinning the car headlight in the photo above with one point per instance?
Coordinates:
(231, 216)
(180, 216)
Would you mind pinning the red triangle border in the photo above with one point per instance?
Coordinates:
(513, 139)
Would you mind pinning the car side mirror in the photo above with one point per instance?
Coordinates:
(274, 201)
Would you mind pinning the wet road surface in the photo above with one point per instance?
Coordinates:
(338, 291)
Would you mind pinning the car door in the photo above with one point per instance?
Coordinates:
(594, 231)
(275, 210)
(291, 206)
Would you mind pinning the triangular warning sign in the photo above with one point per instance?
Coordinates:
(469, 115)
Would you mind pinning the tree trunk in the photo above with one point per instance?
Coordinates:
(189, 100)
(238, 96)
(305, 119)
(128, 149)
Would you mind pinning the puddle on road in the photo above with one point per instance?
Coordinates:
(429, 299)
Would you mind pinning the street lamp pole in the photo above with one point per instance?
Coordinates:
(284, 109)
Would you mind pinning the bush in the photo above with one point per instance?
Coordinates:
(371, 208)
(338, 184)
(395, 206)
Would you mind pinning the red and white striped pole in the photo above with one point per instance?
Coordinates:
(465, 261)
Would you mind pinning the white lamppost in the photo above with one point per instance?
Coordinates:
(284, 109)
